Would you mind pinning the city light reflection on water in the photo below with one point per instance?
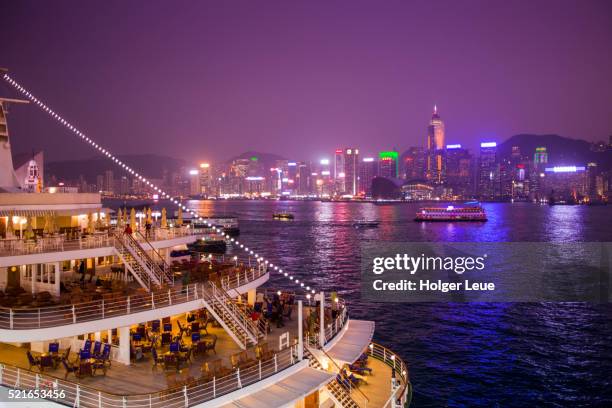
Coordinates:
(487, 354)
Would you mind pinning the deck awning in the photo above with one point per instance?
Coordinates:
(355, 338)
(30, 212)
(286, 392)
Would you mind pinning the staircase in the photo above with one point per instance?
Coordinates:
(146, 271)
(236, 322)
(339, 394)
(132, 265)
(164, 270)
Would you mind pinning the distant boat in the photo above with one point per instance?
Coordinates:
(215, 246)
(365, 224)
(283, 216)
(451, 213)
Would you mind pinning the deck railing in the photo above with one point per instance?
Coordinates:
(337, 325)
(57, 243)
(194, 393)
(53, 316)
(332, 328)
(403, 391)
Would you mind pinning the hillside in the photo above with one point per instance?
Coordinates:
(150, 165)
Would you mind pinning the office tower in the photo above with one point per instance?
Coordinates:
(292, 174)
(367, 172)
(388, 163)
(435, 149)
(565, 183)
(351, 170)
(109, 181)
(302, 183)
(540, 156)
(99, 182)
(413, 163)
(206, 179)
(325, 182)
(458, 169)
(488, 177)
(339, 172)
(124, 185)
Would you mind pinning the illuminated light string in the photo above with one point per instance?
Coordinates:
(162, 193)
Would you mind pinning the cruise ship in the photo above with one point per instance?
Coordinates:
(96, 314)
(451, 213)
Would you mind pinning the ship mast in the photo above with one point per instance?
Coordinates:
(8, 179)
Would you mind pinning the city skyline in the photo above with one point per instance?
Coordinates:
(228, 79)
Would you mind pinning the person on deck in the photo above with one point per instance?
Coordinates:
(148, 226)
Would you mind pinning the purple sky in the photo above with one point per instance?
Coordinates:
(207, 80)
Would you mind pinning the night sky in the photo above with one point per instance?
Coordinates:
(204, 80)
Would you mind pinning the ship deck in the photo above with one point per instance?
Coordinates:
(140, 377)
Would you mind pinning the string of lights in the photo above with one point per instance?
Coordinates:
(105, 152)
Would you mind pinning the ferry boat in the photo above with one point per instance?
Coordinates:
(229, 223)
(451, 213)
(283, 216)
(92, 316)
(365, 224)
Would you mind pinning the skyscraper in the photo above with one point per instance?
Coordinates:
(205, 179)
(435, 149)
(388, 164)
(413, 163)
(458, 166)
(109, 182)
(351, 170)
(339, 171)
(367, 172)
(488, 177)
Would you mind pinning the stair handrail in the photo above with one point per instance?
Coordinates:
(246, 321)
(147, 279)
(167, 270)
(217, 305)
(132, 243)
(345, 377)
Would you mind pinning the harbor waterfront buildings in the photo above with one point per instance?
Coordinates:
(495, 172)
(104, 307)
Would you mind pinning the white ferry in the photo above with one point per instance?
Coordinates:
(451, 213)
(94, 316)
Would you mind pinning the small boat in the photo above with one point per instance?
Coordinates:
(365, 224)
(451, 213)
(283, 216)
(215, 246)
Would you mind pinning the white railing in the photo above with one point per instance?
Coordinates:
(239, 316)
(337, 325)
(13, 247)
(58, 243)
(331, 329)
(401, 393)
(53, 316)
(187, 395)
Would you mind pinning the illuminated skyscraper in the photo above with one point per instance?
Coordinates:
(367, 172)
(488, 175)
(413, 163)
(351, 171)
(540, 156)
(339, 171)
(206, 179)
(435, 149)
(388, 164)
(458, 165)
